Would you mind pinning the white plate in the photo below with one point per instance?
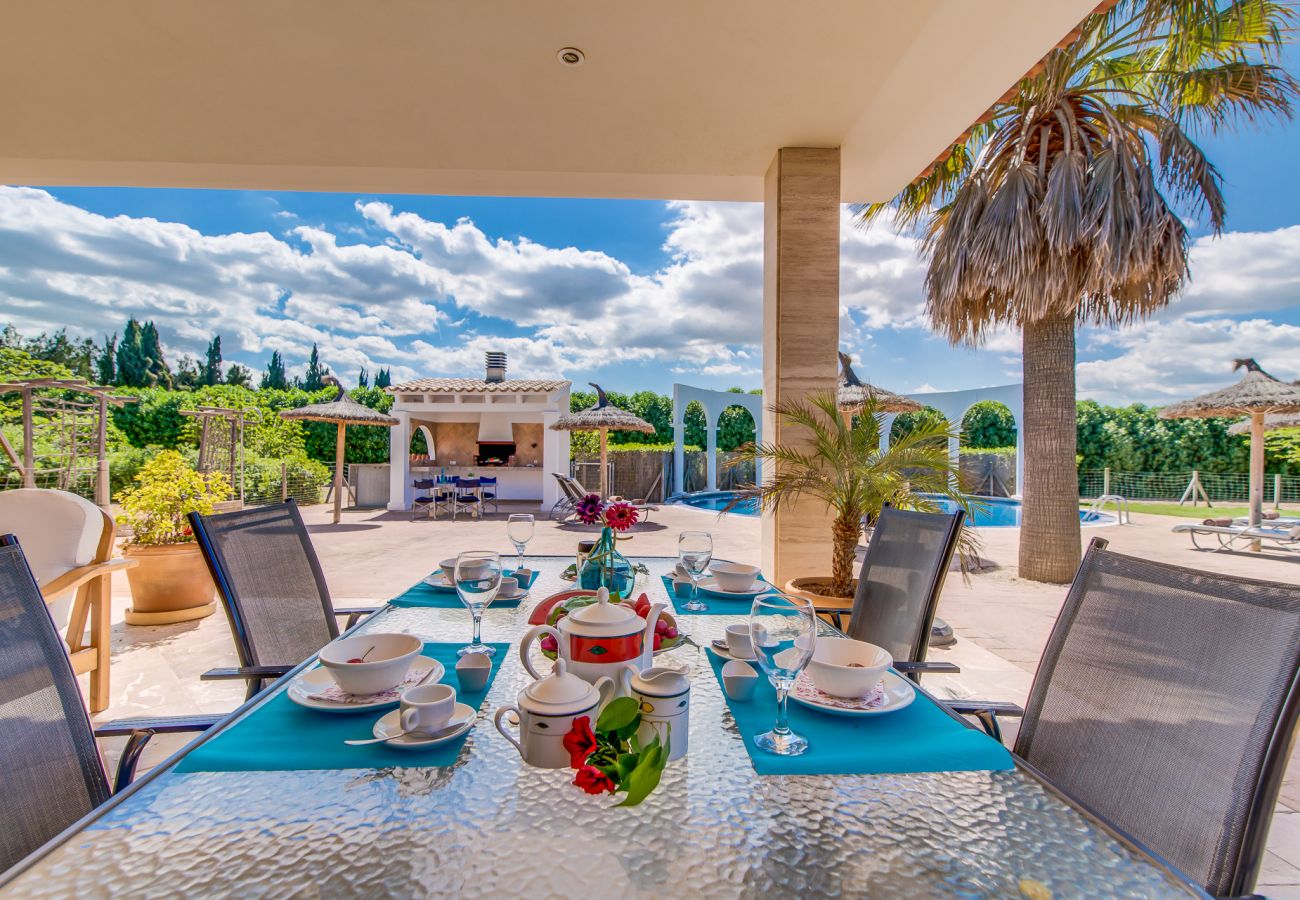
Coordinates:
(899, 694)
(438, 581)
(463, 715)
(317, 679)
(724, 653)
(709, 585)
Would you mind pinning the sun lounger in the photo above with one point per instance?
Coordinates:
(574, 491)
(1271, 521)
(1231, 536)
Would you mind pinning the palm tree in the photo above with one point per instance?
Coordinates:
(843, 465)
(1056, 210)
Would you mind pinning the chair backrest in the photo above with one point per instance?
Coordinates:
(49, 764)
(59, 530)
(270, 583)
(1166, 701)
(573, 487)
(902, 576)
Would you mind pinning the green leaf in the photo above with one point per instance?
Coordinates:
(617, 715)
(626, 765)
(645, 777)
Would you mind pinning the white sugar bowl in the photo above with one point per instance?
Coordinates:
(546, 710)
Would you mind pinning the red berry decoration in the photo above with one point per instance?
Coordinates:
(356, 659)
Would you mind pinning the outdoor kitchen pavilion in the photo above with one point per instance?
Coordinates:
(494, 426)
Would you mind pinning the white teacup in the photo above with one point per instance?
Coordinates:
(739, 643)
(427, 708)
(509, 586)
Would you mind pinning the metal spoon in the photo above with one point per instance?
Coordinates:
(428, 737)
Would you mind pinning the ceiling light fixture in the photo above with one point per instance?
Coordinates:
(570, 56)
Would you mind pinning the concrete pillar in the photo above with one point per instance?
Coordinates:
(555, 453)
(801, 295)
(679, 441)
(400, 491)
(710, 450)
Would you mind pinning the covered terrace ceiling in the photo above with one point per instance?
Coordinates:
(676, 99)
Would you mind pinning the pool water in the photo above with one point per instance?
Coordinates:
(990, 512)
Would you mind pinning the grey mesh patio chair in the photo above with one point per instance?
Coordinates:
(902, 576)
(1166, 701)
(568, 502)
(271, 585)
(49, 764)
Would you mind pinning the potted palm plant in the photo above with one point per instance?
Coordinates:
(844, 465)
(171, 582)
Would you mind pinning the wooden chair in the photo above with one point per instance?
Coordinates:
(69, 545)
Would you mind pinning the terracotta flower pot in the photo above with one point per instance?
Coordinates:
(809, 588)
(171, 584)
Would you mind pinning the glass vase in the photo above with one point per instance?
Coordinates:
(606, 568)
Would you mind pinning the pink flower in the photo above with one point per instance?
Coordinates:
(589, 508)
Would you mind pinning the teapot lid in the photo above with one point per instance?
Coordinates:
(602, 612)
(560, 688)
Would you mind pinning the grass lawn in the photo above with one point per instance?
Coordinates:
(1218, 511)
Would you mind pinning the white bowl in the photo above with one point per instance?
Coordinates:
(384, 668)
(448, 567)
(843, 667)
(735, 577)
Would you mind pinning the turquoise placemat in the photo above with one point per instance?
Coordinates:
(717, 606)
(920, 738)
(427, 596)
(282, 736)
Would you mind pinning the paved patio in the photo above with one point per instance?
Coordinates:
(1001, 621)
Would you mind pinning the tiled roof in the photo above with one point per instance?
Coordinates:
(475, 386)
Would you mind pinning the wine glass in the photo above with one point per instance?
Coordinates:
(694, 552)
(784, 631)
(478, 578)
(519, 528)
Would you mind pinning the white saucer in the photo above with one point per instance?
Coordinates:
(724, 653)
(438, 580)
(899, 694)
(519, 594)
(317, 679)
(709, 585)
(462, 716)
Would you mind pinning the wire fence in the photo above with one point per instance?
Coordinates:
(1226, 487)
(303, 486)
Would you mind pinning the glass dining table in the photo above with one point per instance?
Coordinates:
(490, 825)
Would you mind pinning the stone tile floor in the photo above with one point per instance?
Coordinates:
(1001, 621)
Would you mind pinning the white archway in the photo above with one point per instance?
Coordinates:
(955, 404)
(713, 403)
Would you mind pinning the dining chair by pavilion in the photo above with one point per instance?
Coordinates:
(1166, 701)
(49, 763)
(902, 576)
(467, 498)
(488, 494)
(437, 496)
(69, 546)
(272, 587)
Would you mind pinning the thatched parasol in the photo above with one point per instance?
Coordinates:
(342, 411)
(1256, 395)
(853, 393)
(1272, 422)
(604, 418)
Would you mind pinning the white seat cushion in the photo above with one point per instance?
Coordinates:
(58, 531)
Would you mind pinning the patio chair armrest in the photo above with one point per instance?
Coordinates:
(930, 667)
(356, 613)
(244, 673)
(138, 732)
(987, 712)
(75, 578)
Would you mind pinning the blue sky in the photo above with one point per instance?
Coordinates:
(634, 294)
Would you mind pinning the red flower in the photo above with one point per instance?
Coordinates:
(621, 516)
(580, 742)
(593, 781)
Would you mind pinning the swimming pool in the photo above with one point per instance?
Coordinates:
(991, 512)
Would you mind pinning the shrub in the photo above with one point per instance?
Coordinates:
(167, 490)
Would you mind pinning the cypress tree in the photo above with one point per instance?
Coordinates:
(132, 366)
(274, 378)
(212, 366)
(239, 376)
(383, 378)
(313, 380)
(106, 361)
(158, 373)
(363, 380)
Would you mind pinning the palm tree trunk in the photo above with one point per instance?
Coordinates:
(1049, 533)
(845, 533)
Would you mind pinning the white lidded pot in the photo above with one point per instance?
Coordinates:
(546, 710)
(599, 639)
(664, 694)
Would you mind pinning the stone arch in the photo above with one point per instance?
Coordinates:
(713, 403)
